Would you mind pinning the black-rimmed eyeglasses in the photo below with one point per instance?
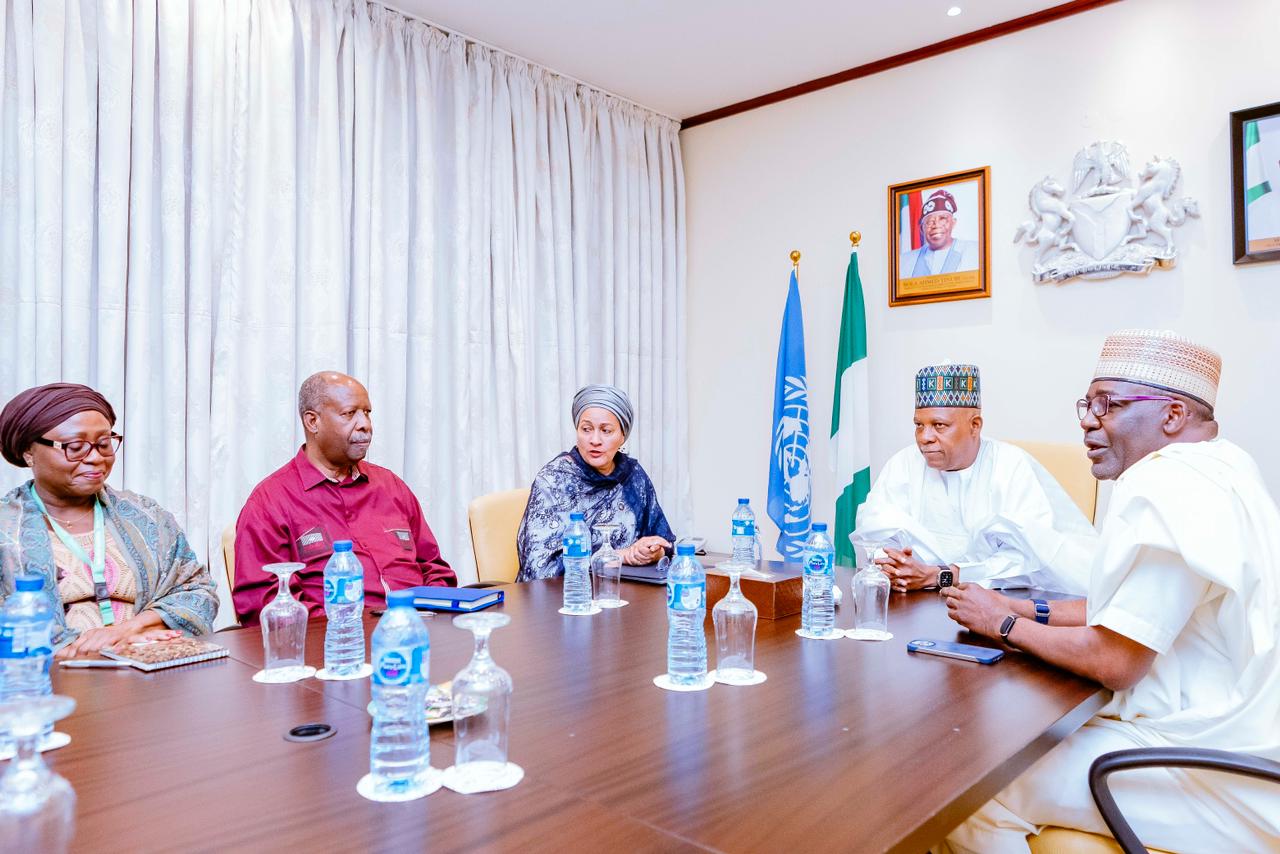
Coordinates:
(77, 449)
(1099, 405)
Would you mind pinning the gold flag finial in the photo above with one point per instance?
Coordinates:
(795, 257)
(855, 237)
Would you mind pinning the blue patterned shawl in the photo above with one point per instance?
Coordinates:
(171, 580)
(625, 497)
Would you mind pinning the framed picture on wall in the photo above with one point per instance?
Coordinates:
(938, 238)
(1255, 184)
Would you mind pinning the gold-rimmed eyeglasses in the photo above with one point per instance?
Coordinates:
(1099, 405)
(77, 449)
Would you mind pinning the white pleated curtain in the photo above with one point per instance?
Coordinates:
(205, 202)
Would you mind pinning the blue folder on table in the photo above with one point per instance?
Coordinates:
(462, 599)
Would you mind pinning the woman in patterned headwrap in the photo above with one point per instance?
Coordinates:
(597, 479)
(116, 566)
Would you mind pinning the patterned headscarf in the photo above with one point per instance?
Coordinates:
(36, 410)
(607, 397)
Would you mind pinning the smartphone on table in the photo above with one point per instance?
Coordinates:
(951, 649)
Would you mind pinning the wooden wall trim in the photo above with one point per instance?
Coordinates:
(1035, 19)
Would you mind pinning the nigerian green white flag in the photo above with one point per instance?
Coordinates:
(1255, 177)
(850, 415)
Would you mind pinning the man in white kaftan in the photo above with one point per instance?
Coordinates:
(1180, 619)
(983, 508)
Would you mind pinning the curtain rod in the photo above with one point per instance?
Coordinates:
(493, 47)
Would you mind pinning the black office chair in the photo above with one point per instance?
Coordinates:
(1165, 757)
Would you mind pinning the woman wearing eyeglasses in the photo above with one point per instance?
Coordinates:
(116, 566)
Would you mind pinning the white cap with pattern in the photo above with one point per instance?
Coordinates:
(1163, 360)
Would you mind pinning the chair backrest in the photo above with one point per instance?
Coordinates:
(229, 554)
(1071, 468)
(495, 519)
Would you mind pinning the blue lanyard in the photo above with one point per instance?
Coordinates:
(97, 563)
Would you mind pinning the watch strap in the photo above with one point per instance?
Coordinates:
(1007, 626)
(1042, 611)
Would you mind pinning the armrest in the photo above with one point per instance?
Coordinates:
(1165, 757)
(482, 584)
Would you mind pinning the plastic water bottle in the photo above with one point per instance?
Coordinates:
(818, 612)
(26, 645)
(686, 611)
(744, 533)
(399, 752)
(577, 566)
(343, 606)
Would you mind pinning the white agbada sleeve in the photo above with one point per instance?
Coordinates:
(1020, 529)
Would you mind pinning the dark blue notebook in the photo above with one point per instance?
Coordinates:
(455, 598)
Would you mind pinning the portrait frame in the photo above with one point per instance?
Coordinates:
(1246, 217)
(971, 277)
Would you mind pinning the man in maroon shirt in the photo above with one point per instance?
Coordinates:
(326, 493)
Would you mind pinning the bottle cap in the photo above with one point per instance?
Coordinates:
(28, 583)
(400, 599)
(685, 549)
(819, 527)
(744, 500)
(342, 545)
(576, 517)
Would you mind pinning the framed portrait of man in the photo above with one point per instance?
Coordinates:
(1255, 184)
(938, 238)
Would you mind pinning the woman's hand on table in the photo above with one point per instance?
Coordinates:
(92, 641)
(644, 551)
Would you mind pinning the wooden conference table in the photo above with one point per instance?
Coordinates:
(848, 746)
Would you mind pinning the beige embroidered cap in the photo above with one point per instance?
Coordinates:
(1163, 360)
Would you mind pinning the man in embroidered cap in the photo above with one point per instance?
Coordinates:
(329, 492)
(1180, 619)
(958, 507)
(939, 252)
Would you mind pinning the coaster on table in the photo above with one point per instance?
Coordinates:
(595, 609)
(284, 674)
(836, 634)
(610, 603)
(364, 671)
(52, 741)
(756, 677)
(494, 779)
(664, 682)
(429, 781)
(868, 634)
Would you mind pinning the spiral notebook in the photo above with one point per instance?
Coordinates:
(157, 655)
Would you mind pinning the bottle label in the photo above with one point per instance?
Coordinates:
(744, 528)
(817, 563)
(400, 665)
(28, 642)
(686, 595)
(343, 591)
(576, 546)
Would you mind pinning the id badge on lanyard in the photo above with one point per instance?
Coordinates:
(96, 564)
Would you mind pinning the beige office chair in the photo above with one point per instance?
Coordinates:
(494, 520)
(229, 554)
(1071, 468)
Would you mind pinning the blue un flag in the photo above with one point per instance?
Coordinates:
(789, 491)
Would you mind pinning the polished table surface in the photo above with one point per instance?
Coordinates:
(849, 745)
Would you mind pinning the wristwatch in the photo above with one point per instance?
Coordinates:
(1042, 611)
(946, 577)
(1006, 627)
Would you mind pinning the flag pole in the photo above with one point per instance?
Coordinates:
(795, 259)
(855, 237)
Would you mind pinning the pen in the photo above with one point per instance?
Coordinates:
(93, 662)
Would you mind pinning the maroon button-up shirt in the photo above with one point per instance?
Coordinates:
(297, 513)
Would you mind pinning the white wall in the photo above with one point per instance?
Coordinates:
(1158, 75)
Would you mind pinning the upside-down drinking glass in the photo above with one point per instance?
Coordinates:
(284, 630)
(37, 807)
(606, 564)
(735, 619)
(481, 708)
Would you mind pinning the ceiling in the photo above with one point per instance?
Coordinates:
(684, 57)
